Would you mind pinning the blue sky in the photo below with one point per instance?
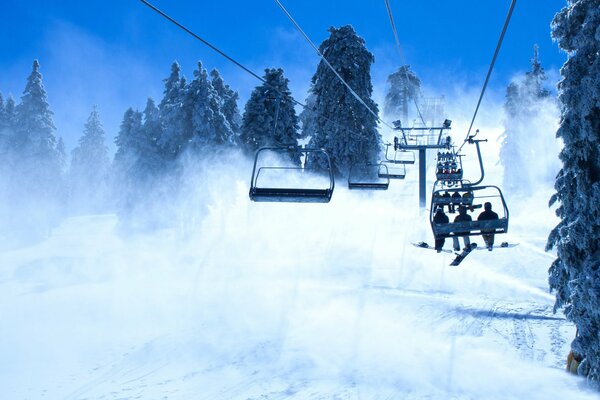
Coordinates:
(116, 53)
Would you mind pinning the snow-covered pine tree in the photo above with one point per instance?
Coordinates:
(37, 168)
(228, 99)
(534, 79)
(4, 135)
(175, 117)
(527, 108)
(270, 117)
(126, 173)
(308, 118)
(10, 116)
(209, 125)
(575, 274)
(405, 87)
(510, 155)
(89, 167)
(150, 162)
(343, 126)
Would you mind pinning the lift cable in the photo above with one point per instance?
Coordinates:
(487, 78)
(249, 71)
(361, 101)
(402, 60)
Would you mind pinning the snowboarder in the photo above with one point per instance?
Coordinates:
(462, 217)
(440, 218)
(487, 215)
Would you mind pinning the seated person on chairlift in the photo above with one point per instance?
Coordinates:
(468, 199)
(446, 196)
(487, 215)
(462, 217)
(456, 200)
(440, 218)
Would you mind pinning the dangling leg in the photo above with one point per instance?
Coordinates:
(467, 242)
(439, 244)
(455, 243)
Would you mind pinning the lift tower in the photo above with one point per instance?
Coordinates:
(423, 139)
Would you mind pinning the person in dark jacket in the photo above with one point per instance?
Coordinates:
(440, 218)
(487, 215)
(456, 200)
(462, 217)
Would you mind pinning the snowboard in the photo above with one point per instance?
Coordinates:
(463, 255)
(423, 245)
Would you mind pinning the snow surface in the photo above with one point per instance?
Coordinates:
(278, 301)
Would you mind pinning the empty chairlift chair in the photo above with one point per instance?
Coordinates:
(276, 179)
(398, 156)
(392, 171)
(368, 177)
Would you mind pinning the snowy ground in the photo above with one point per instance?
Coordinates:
(278, 301)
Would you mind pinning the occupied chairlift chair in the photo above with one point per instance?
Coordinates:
(299, 194)
(472, 196)
(449, 166)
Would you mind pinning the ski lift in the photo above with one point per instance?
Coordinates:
(392, 170)
(400, 156)
(369, 177)
(472, 198)
(449, 166)
(272, 183)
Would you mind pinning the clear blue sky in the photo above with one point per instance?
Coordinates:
(116, 53)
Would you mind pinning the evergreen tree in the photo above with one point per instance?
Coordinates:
(534, 79)
(228, 99)
(127, 141)
(4, 135)
(61, 155)
(150, 161)
(269, 116)
(209, 125)
(126, 160)
(89, 166)
(343, 126)
(175, 117)
(405, 87)
(308, 118)
(10, 116)
(575, 275)
(35, 125)
(526, 107)
(37, 167)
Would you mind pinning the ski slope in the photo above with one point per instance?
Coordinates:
(283, 301)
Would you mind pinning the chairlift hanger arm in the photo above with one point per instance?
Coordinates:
(489, 73)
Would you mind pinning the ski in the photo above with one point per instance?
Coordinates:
(503, 245)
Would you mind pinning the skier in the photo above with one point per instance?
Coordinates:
(440, 218)
(462, 217)
(487, 215)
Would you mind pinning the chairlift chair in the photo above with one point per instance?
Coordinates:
(449, 169)
(478, 196)
(392, 171)
(266, 185)
(400, 156)
(368, 177)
